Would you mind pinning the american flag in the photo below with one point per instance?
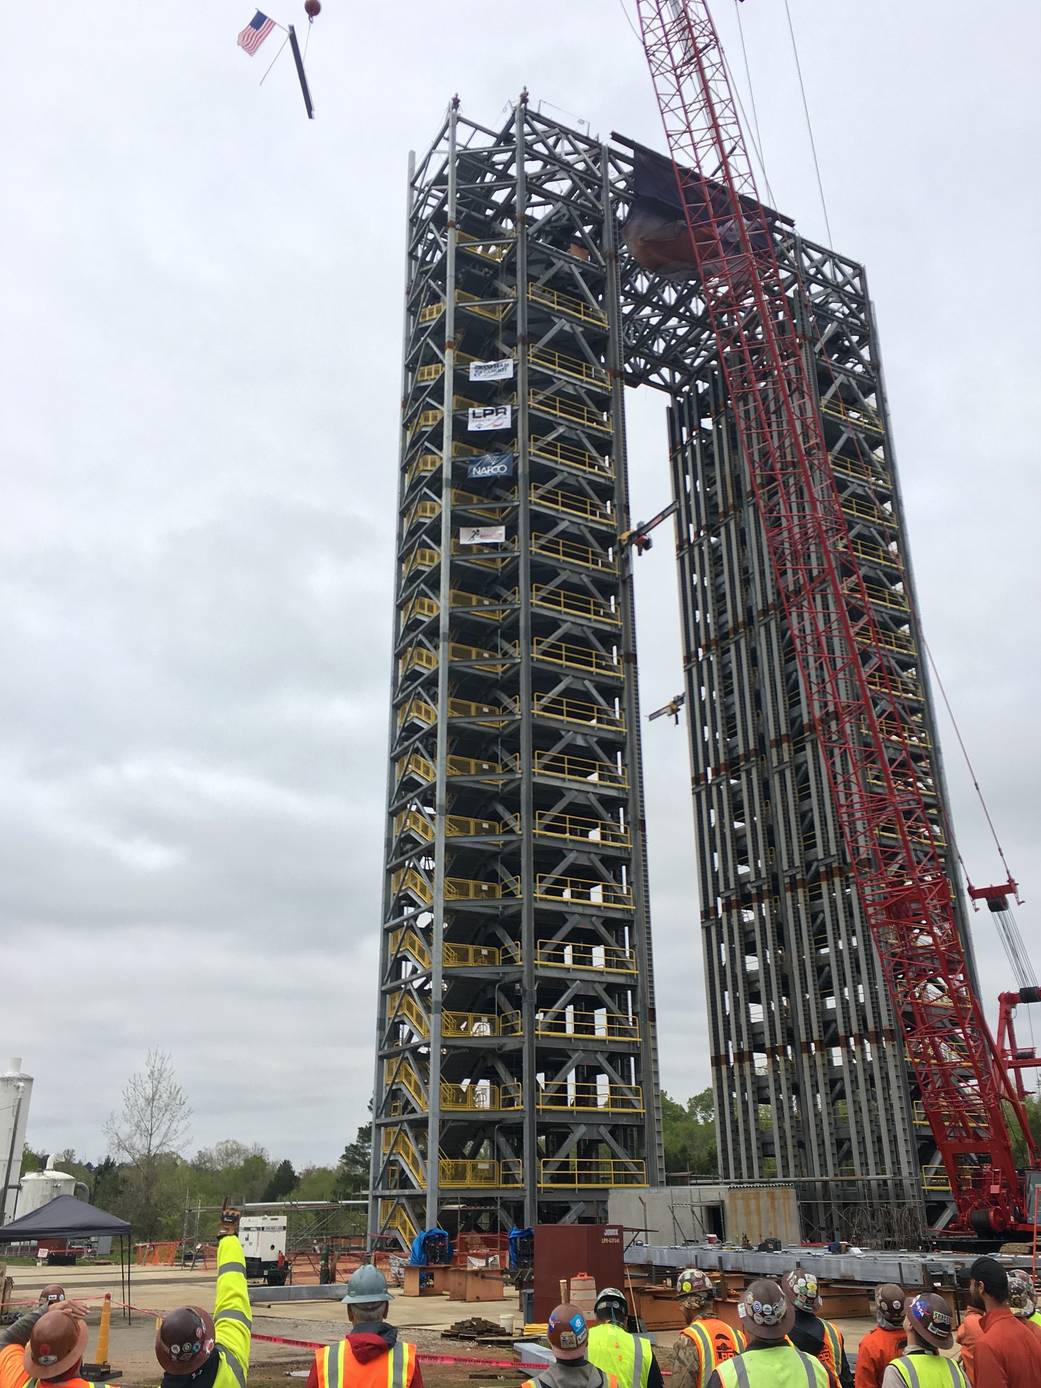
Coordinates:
(255, 32)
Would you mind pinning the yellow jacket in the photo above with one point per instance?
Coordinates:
(232, 1315)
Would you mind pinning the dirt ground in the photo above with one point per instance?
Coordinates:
(156, 1290)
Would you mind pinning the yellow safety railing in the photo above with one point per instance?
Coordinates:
(487, 249)
(430, 313)
(583, 891)
(568, 768)
(854, 467)
(465, 889)
(395, 1219)
(415, 764)
(419, 606)
(481, 1171)
(912, 732)
(408, 939)
(413, 820)
(466, 450)
(400, 1072)
(480, 1097)
(564, 365)
(573, 604)
(422, 511)
(899, 641)
(431, 372)
(399, 1145)
(569, 455)
(610, 959)
(461, 827)
(481, 506)
(470, 1024)
(934, 839)
(429, 419)
(470, 766)
(419, 710)
(408, 1010)
(856, 416)
(865, 511)
(410, 879)
(574, 657)
(471, 956)
(494, 309)
(473, 655)
(905, 685)
(465, 402)
(490, 556)
(571, 552)
(580, 829)
(422, 466)
(887, 597)
(487, 714)
(571, 504)
(876, 554)
(591, 1097)
(479, 604)
(417, 658)
(570, 304)
(936, 1181)
(573, 1022)
(422, 558)
(604, 1172)
(581, 711)
(561, 407)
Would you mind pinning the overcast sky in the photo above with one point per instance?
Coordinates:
(200, 341)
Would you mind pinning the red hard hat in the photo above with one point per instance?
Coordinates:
(185, 1340)
(57, 1343)
(567, 1332)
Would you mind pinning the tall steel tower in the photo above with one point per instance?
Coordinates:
(516, 1075)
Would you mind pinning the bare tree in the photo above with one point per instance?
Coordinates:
(154, 1123)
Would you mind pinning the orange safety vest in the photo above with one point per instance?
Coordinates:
(831, 1350)
(716, 1341)
(338, 1367)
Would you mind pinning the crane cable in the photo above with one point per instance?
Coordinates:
(809, 124)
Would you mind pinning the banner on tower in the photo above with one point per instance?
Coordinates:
(490, 465)
(488, 417)
(482, 535)
(492, 370)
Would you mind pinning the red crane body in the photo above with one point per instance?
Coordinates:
(892, 843)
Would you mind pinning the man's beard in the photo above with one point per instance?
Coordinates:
(976, 1302)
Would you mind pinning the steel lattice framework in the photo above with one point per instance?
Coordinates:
(516, 1073)
(858, 708)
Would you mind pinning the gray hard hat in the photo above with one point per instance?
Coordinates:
(365, 1286)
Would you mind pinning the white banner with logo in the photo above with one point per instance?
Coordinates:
(492, 370)
(487, 417)
(482, 535)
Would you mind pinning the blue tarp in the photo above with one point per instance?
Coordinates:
(431, 1246)
(517, 1238)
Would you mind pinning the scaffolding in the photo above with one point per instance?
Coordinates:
(516, 1077)
(516, 891)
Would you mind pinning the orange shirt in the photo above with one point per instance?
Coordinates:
(12, 1367)
(968, 1336)
(878, 1348)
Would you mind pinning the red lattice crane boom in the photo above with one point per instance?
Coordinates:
(851, 690)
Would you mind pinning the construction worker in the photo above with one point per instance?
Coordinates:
(53, 1292)
(1008, 1353)
(811, 1332)
(770, 1360)
(211, 1351)
(611, 1348)
(14, 1338)
(882, 1345)
(371, 1356)
(53, 1352)
(706, 1340)
(568, 1336)
(1021, 1298)
(930, 1327)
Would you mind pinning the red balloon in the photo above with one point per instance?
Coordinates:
(312, 8)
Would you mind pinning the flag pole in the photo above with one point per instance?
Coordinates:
(300, 73)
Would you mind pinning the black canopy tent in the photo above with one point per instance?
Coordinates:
(65, 1217)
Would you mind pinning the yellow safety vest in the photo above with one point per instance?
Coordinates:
(1036, 1318)
(781, 1366)
(929, 1371)
(627, 1357)
(832, 1347)
(716, 1342)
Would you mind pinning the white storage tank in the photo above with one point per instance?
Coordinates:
(15, 1092)
(40, 1186)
